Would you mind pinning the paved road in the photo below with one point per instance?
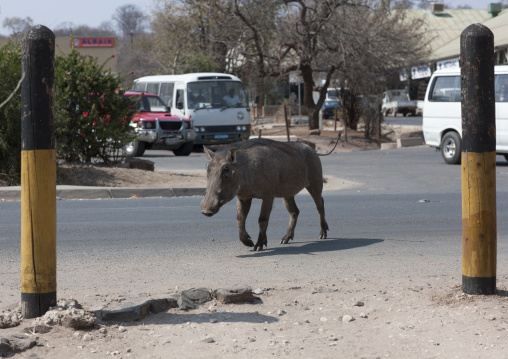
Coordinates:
(379, 228)
(406, 121)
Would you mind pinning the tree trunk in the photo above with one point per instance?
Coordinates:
(308, 100)
(260, 96)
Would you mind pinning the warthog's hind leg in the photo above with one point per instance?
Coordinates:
(290, 204)
(320, 205)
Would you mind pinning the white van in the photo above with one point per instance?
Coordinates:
(442, 119)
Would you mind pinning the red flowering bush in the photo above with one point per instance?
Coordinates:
(92, 116)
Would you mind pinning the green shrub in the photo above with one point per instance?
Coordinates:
(10, 114)
(92, 117)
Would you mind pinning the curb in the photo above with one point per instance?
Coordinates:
(409, 142)
(81, 192)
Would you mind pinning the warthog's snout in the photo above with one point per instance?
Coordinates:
(210, 206)
(207, 213)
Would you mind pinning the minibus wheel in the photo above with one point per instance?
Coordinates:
(450, 148)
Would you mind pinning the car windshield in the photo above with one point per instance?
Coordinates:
(216, 94)
(149, 104)
(331, 104)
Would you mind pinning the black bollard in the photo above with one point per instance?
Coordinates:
(38, 173)
(479, 226)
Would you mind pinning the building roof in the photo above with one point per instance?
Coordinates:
(445, 28)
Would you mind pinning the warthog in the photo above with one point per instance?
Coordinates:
(264, 169)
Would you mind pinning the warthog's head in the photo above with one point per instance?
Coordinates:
(222, 180)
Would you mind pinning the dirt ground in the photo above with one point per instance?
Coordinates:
(330, 317)
(327, 318)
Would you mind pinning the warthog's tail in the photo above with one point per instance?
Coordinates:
(336, 143)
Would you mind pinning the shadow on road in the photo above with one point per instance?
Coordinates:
(324, 245)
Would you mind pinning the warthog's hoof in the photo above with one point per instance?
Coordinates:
(258, 248)
(286, 239)
(248, 243)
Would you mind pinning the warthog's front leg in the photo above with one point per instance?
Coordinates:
(289, 203)
(264, 216)
(243, 208)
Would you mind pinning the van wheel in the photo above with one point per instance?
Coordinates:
(135, 149)
(450, 148)
(184, 150)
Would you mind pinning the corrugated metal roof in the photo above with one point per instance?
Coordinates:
(446, 26)
(499, 27)
(445, 29)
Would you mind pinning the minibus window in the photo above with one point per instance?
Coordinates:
(446, 89)
(166, 93)
(501, 86)
(152, 88)
(139, 86)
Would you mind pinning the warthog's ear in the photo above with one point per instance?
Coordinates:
(209, 153)
(231, 157)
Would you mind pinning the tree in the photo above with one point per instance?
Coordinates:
(131, 21)
(17, 25)
(92, 117)
(192, 36)
(69, 29)
(10, 113)
(270, 38)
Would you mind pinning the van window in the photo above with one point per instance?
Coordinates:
(501, 88)
(152, 88)
(445, 89)
(166, 93)
(139, 86)
(179, 99)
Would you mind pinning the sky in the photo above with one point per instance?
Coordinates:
(52, 13)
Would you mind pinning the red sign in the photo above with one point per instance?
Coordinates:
(94, 42)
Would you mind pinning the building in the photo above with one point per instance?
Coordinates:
(444, 27)
(103, 48)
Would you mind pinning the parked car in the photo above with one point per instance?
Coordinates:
(397, 101)
(329, 108)
(156, 127)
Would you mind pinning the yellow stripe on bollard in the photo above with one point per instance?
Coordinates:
(38, 222)
(479, 225)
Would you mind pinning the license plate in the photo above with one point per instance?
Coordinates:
(220, 137)
(171, 140)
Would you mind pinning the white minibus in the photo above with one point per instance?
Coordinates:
(215, 102)
(442, 119)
